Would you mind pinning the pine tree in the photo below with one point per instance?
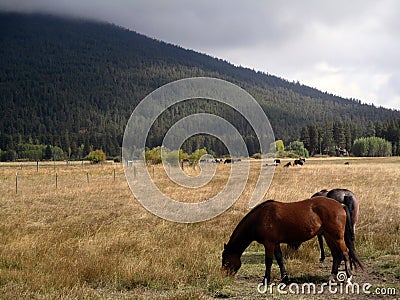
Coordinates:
(327, 141)
(370, 130)
(314, 138)
(339, 135)
(305, 137)
(48, 154)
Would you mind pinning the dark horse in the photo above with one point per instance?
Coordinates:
(272, 223)
(343, 196)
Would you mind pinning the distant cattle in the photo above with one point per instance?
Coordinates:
(289, 164)
(228, 161)
(298, 162)
(277, 161)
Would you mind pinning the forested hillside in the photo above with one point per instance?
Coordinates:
(74, 83)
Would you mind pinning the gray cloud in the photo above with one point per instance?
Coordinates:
(348, 48)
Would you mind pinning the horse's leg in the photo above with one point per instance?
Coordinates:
(338, 240)
(345, 255)
(269, 256)
(336, 256)
(339, 252)
(321, 247)
(279, 259)
(337, 259)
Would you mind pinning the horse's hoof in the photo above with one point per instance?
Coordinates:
(285, 278)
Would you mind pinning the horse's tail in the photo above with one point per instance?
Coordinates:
(349, 236)
(348, 200)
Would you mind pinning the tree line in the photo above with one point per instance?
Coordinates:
(342, 138)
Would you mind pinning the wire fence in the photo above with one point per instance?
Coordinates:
(22, 176)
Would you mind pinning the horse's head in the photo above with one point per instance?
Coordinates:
(230, 261)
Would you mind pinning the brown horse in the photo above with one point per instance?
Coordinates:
(344, 196)
(272, 223)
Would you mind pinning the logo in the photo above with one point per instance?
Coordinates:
(139, 177)
(343, 286)
(341, 276)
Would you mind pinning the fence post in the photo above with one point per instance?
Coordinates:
(16, 182)
(114, 174)
(87, 177)
(56, 180)
(37, 166)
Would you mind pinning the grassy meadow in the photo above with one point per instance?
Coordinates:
(89, 238)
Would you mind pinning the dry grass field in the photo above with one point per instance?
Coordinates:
(90, 239)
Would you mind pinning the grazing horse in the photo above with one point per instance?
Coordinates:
(272, 223)
(343, 196)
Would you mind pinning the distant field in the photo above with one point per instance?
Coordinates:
(89, 238)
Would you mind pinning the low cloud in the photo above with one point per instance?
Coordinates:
(345, 48)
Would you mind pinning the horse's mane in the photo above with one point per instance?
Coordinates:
(248, 215)
(261, 204)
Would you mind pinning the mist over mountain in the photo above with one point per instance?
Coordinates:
(74, 83)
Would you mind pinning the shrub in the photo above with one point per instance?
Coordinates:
(371, 146)
(174, 157)
(58, 153)
(153, 156)
(279, 146)
(298, 148)
(157, 155)
(196, 155)
(9, 155)
(256, 156)
(96, 156)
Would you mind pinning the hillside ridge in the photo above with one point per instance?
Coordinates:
(73, 82)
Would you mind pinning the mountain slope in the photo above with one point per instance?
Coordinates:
(70, 82)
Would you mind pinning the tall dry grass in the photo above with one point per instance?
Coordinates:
(94, 240)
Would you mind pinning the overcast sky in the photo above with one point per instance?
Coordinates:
(347, 48)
